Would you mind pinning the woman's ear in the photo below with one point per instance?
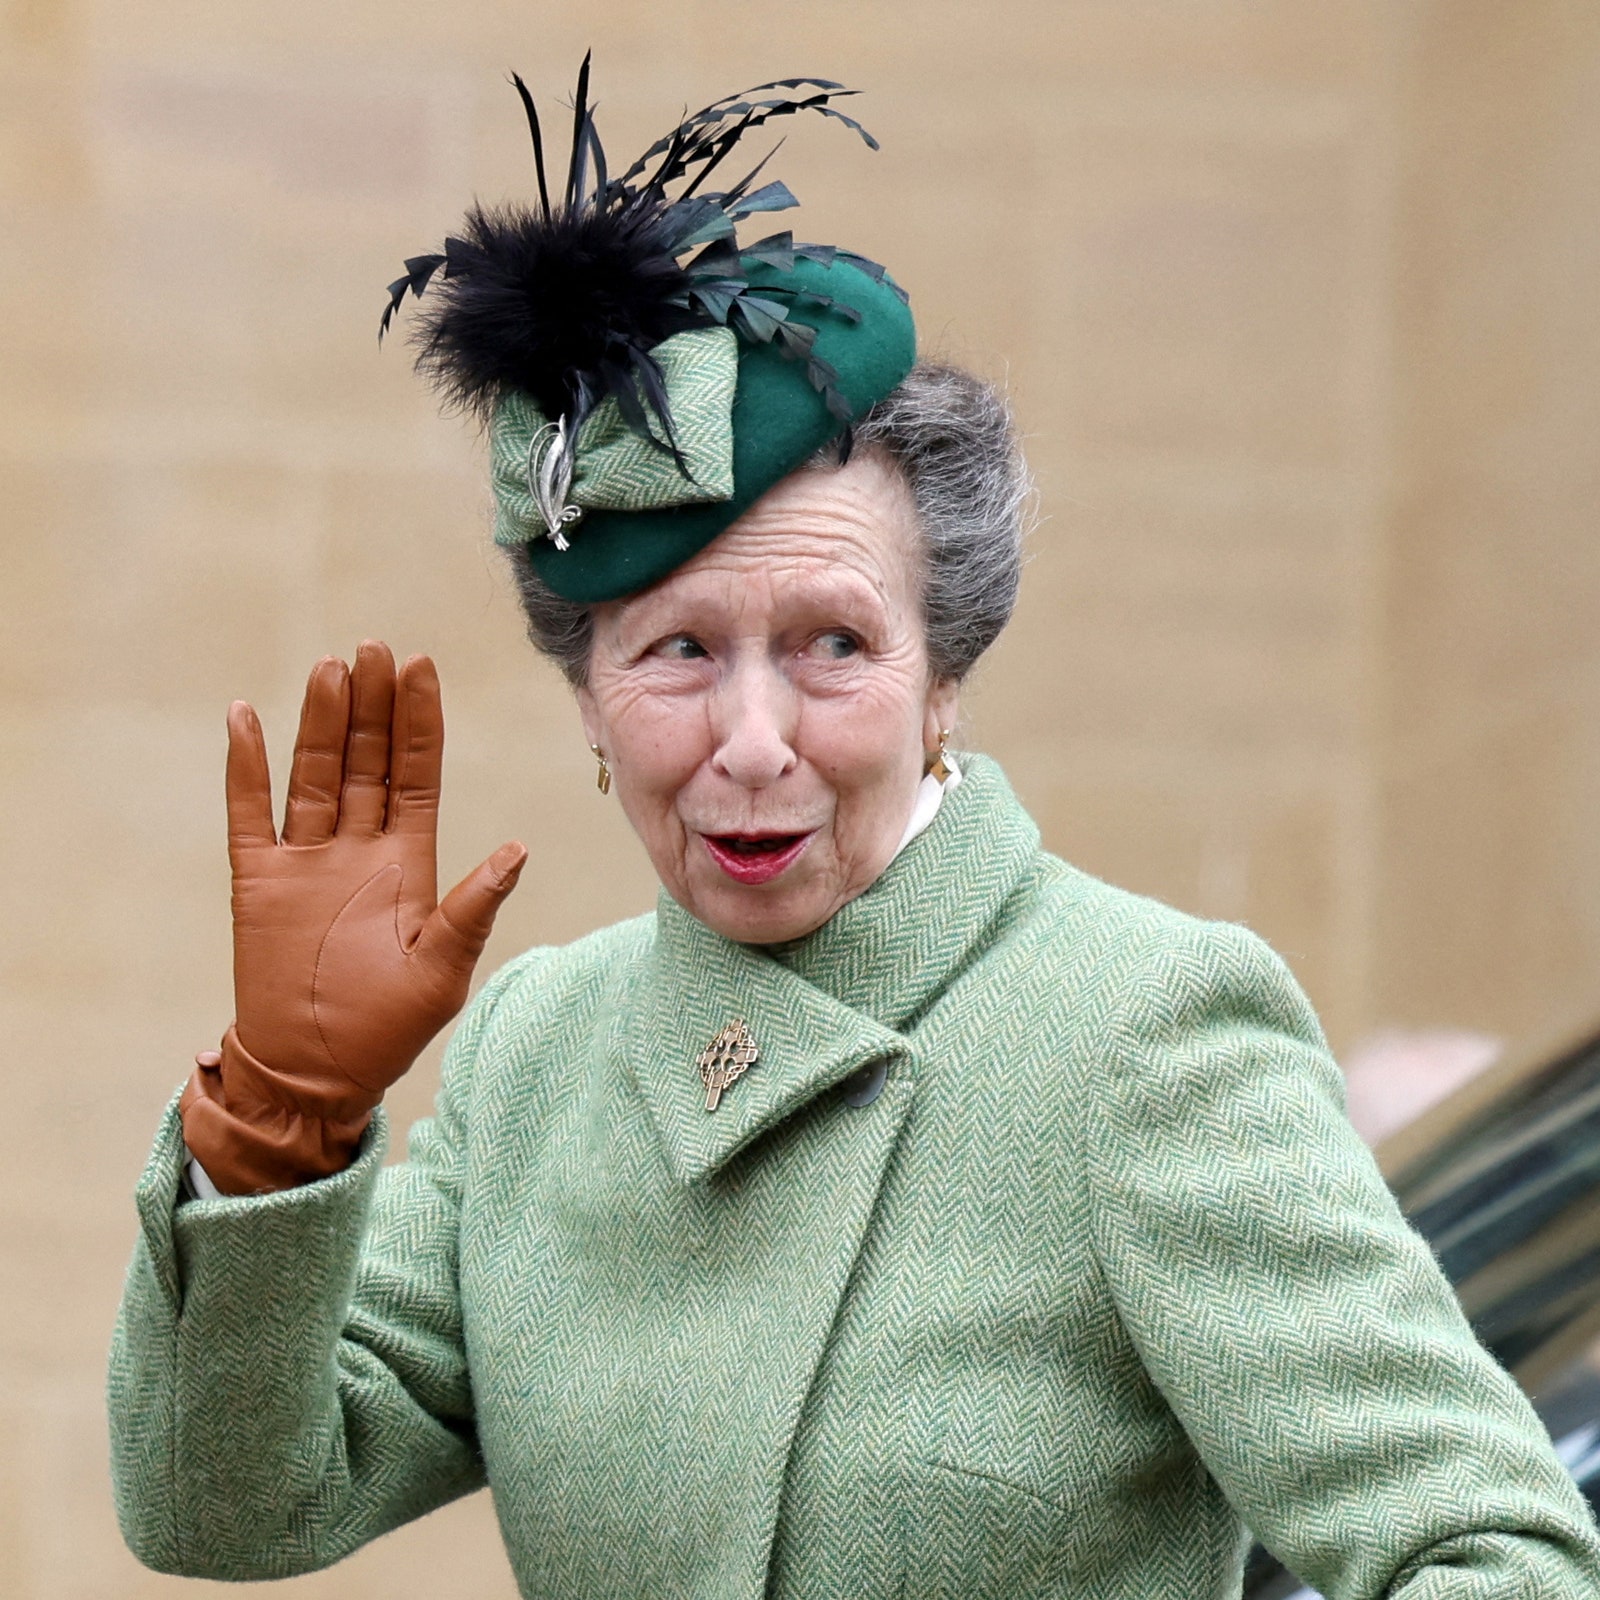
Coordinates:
(589, 715)
(943, 707)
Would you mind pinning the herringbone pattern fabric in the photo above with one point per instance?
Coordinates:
(1099, 1271)
(615, 469)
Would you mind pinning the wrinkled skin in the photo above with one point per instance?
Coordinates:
(775, 684)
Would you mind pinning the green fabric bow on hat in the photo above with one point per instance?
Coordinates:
(615, 469)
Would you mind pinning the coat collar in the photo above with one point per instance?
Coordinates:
(827, 1005)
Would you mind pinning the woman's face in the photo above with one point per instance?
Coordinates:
(766, 710)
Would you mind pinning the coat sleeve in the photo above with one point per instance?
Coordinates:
(288, 1378)
(1298, 1327)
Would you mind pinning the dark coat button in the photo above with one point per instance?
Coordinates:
(866, 1085)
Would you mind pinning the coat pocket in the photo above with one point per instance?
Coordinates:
(969, 1536)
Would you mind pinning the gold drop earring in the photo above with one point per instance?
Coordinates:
(938, 768)
(602, 779)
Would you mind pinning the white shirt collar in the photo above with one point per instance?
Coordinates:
(930, 796)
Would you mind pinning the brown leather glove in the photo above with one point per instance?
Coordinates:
(344, 967)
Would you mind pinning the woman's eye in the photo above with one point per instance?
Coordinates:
(836, 646)
(682, 647)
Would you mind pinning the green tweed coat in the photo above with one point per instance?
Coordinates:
(1033, 1258)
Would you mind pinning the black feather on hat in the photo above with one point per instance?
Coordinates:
(565, 302)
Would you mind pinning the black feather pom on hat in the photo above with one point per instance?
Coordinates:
(644, 375)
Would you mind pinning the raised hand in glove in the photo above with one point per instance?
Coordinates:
(344, 964)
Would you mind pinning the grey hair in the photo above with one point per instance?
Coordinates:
(952, 437)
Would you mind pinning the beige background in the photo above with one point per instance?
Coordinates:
(1298, 302)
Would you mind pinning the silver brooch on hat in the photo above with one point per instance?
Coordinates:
(550, 480)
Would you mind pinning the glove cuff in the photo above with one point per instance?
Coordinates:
(256, 1131)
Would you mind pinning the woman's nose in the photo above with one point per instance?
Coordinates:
(754, 723)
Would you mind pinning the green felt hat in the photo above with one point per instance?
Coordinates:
(776, 421)
(645, 375)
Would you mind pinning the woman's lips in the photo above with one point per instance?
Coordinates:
(752, 858)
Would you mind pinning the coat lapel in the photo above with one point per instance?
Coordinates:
(698, 982)
(826, 1006)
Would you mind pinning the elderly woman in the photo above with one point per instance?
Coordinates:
(896, 1211)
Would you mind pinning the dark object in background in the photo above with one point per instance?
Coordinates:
(1503, 1180)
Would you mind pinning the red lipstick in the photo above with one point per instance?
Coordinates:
(755, 858)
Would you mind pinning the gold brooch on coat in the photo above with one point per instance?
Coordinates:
(727, 1057)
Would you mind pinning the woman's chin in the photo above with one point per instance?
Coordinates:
(759, 924)
(770, 913)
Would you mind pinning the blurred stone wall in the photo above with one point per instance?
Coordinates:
(1297, 303)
